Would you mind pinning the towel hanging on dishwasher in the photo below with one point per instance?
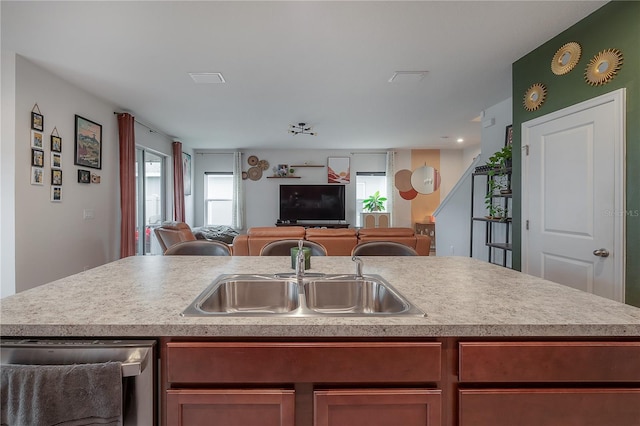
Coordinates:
(62, 395)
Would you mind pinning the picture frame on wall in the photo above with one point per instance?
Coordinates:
(37, 176)
(88, 143)
(56, 194)
(37, 157)
(36, 139)
(338, 170)
(186, 172)
(84, 176)
(508, 137)
(37, 121)
(56, 177)
(56, 143)
(56, 160)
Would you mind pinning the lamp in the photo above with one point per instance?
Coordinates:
(301, 128)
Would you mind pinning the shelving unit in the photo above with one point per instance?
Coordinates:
(283, 177)
(306, 165)
(504, 201)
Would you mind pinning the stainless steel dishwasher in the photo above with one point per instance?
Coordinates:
(137, 358)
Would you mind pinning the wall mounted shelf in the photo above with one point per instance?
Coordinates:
(306, 165)
(283, 177)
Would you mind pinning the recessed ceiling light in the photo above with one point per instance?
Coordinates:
(459, 140)
(407, 76)
(207, 77)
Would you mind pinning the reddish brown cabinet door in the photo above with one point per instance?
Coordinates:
(377, 407)
(237, 407)
(550, 407)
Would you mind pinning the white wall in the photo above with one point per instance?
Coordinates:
(52, 239)
(453, 216)
(7, 173)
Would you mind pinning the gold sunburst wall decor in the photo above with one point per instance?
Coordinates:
(535, 96)
(603, 67)
(566, 58)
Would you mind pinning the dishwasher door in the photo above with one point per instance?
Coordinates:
(137, 358)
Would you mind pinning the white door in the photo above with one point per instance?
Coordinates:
(573, 196)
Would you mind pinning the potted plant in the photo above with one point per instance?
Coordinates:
(498, 166)
(374, 203)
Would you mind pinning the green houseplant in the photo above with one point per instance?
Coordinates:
(499, 164)
(374, 203)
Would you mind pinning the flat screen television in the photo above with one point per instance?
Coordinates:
(312, 202)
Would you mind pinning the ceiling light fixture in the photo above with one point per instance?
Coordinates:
(459, 140)
(301, 129)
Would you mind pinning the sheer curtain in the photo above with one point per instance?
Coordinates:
(127, 139)
(178, 183)
(391, 184)
(238, 192)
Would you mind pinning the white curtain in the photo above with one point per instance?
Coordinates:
(390, 172)
(238, 192)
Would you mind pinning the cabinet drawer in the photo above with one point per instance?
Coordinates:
(550, 407)
(549, 362)
(377, 407)
(213, 362)
(231, 407)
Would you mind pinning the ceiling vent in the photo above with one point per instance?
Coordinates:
(207, 77)
(407, 76)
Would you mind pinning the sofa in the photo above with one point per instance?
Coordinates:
(338, 242)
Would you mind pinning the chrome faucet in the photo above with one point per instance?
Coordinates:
(359, 264)
(300, 261)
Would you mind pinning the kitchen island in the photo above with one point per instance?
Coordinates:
(493, 342)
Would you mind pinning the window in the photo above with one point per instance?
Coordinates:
(218, 198)
(150, 199)
(367, 183)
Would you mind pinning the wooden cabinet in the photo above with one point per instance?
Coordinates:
(377, 407)
(193, 407)
(375, 219)
(549, 383)
(269, 382)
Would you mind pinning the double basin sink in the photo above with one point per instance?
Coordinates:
(311, 295)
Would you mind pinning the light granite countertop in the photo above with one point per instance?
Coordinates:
(144, 296)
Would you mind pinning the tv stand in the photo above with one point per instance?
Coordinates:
(314, 224)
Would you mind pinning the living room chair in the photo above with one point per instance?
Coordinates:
(170, 233)
(383, 248)
(283, 248)
(199, 248)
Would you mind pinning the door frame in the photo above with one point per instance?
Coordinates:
(618, 98)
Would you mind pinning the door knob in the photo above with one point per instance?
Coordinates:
(601, 252)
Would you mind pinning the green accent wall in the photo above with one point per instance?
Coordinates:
(616, 25)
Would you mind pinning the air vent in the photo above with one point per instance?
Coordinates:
(207, 77)
(407, 76)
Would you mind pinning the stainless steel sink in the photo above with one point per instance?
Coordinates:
(317, 295)
(365, 296)
(246, 294)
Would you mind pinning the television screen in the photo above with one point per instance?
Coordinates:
(312, 202)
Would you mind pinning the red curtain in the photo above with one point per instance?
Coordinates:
(126, 134)
(178, 183)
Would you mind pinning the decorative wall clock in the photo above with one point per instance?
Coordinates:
(535, 96)
(603, 67)
(566, 58)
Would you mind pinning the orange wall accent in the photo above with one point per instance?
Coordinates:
(424, 205)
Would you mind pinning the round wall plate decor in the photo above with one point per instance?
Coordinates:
(263, 164)
(535, 96)
(603, 67)
(566, 58)
(255, 173)
(245, 175)
(252, 160)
